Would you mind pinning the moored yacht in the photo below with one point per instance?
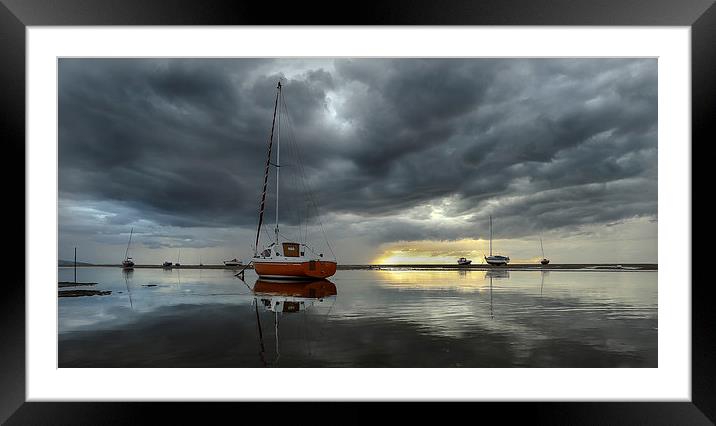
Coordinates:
(292, 260)
(496, 260)
(128, 263)
(544, 260)
(284, 258)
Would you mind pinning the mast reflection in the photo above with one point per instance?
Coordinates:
(497, 274)
(286, 297)
(541, 286)
(127, 275)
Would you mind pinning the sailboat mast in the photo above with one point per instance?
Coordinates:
(278, 158)
(542, 247)
(266, 173)
(490, 235)
(126, 253)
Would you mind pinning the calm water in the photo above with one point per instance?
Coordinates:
(361, 318)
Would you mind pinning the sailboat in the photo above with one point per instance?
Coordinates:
(128, 263)
(496, 260)
(544, 260)
(283, 258)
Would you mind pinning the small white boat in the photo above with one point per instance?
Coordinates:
(232, 263)
(167, 264)
(463, 261)
(496, 260)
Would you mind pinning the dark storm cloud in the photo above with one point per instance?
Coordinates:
(169, 138)
(541, 143)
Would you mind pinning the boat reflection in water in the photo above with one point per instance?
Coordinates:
(541, 286)
(287, 297)
(127, 278)
(497, 274)
(292, 296)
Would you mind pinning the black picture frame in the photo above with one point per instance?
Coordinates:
(16, 15)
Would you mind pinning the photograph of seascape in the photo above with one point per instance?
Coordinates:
(357, 212)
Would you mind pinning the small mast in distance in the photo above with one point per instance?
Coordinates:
(496, 260)
(128, 263)
(544, 260)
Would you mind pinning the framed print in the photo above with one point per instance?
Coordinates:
(477, 202)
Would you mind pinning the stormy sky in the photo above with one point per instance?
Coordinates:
(390, 160)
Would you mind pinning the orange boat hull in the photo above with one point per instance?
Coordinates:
(310, 269)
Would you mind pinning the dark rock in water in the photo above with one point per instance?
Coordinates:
(149, 285)
(72, 284)
(79, 293)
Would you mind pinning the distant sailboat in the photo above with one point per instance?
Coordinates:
(285, 259)
(178, 256)
(544, 260)
(128, 263)
(496, 260)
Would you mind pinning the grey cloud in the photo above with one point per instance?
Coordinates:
(182, 142)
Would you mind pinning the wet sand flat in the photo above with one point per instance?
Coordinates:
(477, 267)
